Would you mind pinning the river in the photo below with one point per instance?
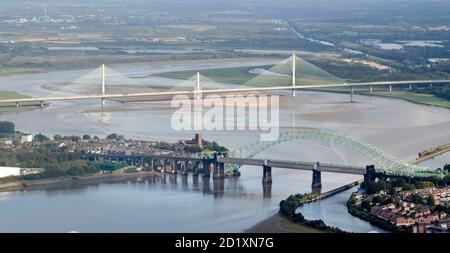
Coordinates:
(187, 206)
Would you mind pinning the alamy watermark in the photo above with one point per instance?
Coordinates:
(229, 113)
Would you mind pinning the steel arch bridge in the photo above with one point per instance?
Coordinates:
(385, 163)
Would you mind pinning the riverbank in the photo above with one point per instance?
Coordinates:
(412, 97)
(431, 153)
(63, 182)
(280, 224)
(358, 212)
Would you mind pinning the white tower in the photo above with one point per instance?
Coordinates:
(293, 73)
(103, 84)
(198, 109)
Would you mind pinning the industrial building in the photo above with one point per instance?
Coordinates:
(9, 171)
(26, 138)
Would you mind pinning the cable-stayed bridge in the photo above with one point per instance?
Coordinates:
(142, 96)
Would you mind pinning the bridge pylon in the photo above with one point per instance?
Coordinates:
(103, 91)
(267, 173)
(316, 176)
(370, 174)
(198, 111)
(293, 73)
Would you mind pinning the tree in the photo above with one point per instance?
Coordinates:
(298, 217)
(447, 167)
(366, 203)
(86, 137)
(430, 199)
(353, 200)
(423, 184)
(40, 138)
(112, 136)
(7, 127)
(408, 187)
(416, 199)
(388, 200)
(57, 137)
(377, 199)
(76, 171)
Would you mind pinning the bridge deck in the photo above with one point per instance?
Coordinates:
(215, 91)
(295, 165)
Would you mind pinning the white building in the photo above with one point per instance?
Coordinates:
(9, 171)
(26, 138)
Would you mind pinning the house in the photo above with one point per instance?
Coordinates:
(419, 228)
(26, 138)
(400, 221)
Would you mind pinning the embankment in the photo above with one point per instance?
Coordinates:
(431, 152)
(69, 181)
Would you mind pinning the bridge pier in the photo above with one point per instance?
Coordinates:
(267, 190)
(184, 168)
(195, 168)
(219, 171)
(219, 187)
(316, 190)
(206, 165)
(184, 180)
(267, 173)
(173, 179)
(316, 179)
(410, 87)
(219, 168)
(206, 186)
(370, 174)
(371, 89)
(390, 88)
(174, 166)
(351, 94)
(195, 181)
(151, 163)
(316, 176)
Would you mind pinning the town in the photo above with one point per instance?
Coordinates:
(16, 145)
(421, 210)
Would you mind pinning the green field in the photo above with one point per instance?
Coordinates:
(278, 75)
(309, 76)
(5, 71)
(420, 98)
(10, 95)
(12, 107)
(427, 99)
